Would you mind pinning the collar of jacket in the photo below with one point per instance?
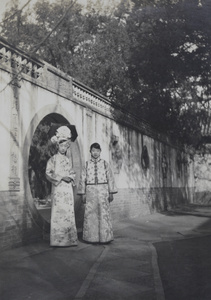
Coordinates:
(95, 160)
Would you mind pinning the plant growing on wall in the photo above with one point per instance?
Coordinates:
(39, 154)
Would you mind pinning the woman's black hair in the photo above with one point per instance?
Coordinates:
(62, 141)
(95, 145)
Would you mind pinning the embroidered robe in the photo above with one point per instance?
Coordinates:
(97, 181)
(63, 229)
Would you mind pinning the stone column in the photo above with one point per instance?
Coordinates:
(14, 179)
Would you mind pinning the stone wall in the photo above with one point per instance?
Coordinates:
(17, 225)
(202, 173)
(138, 202)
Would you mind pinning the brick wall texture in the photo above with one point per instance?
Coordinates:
(17, 226)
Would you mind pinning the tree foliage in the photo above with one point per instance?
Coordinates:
(151, 57)
(38, 157)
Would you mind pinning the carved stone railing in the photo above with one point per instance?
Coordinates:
(23, 66)
(18, 61)
(90, 97)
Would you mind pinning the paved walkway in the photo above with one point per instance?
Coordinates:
(128, 268)
(185, 268)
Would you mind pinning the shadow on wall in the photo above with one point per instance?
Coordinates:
(203, 197)
(151, 166)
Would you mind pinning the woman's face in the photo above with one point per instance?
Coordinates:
(63, 147)
(95, 153)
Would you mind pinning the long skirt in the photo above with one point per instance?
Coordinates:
(97, 225)
(63, 229)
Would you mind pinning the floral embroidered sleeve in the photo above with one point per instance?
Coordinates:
(111, 183)
(72, 175)
(82, 183)
(50, 172)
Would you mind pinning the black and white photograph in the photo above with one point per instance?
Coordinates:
(105, 156)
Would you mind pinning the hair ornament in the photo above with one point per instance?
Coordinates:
(63, 133)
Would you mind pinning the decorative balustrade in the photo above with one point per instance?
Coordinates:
(20, 63)
(90, 97)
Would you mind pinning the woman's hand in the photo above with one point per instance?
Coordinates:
(83, 199)
(110, 198)
(67, 179)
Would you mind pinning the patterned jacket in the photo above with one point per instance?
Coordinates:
(94, 173)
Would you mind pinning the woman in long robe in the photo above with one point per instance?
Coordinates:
(60, 173)
(97, 187)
